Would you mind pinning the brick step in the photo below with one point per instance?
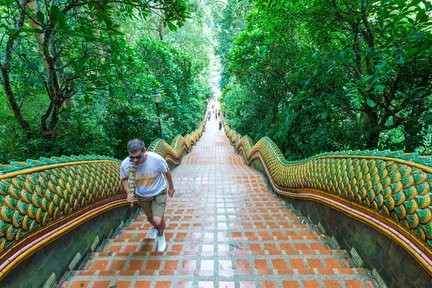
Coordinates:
(238, 253)
(292, 235)
(136, 238)
(245, 271)
(158, 260)
(173, 245)
(167, 278)
(224, 229)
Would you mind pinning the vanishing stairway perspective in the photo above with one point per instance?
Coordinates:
(224, 229)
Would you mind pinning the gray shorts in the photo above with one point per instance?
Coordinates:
(155, 205)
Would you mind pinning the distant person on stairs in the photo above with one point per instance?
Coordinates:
(143, 175)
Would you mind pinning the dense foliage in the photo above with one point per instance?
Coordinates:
(325, 75)
(314, 75)
(79, 78)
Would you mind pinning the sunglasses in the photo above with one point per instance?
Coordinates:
(136, 157)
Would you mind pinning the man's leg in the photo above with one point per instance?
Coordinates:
(158, 223)
(158, 209)
(146, 205)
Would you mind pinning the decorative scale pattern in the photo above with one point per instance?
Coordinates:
(394, 185)
(33, 199)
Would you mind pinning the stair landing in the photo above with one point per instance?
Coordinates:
(224, 230)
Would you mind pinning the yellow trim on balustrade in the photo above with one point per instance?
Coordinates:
(413, 164)
(15, 262)
(49, 166)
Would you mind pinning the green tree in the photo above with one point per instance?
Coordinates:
(64, 63)
(331, 75)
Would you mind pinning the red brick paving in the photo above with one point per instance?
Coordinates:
(224, 229)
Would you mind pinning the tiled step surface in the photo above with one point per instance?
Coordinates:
(224, 229)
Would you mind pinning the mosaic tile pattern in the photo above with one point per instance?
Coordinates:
(224, 229)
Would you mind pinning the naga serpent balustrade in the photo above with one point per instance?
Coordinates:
(389, 191)
(41, 200)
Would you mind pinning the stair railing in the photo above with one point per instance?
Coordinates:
(42, 200)
(389, 191)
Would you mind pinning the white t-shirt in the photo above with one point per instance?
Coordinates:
(149, 176)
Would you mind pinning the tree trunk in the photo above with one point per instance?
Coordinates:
(160, 29)
(5, 72)
(39, 36)
(12, 102)
(371, 127)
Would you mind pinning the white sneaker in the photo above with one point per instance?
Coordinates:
(161, 243)
(153, 233)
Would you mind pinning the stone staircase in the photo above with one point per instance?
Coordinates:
(224, 229)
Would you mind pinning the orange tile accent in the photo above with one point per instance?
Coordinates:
(130, 248)
(286, 271)
(333, 263)
(346, 271)
(99, 264)
(122, 284)
(311, 284)
(290, 284)
(153, 264)
(326, 271)
(306, 271)
(136, 264)
(163, 284)
(332, 284)
(145, 248)
(143, 284)
(255, 247)
(268, 284)
(126, 272)
(171, 264)
(117, 264)
(279, 264)
(147, 272)
(270, 246)
(297, 263)
(353, 284)
(114, 248)
(80, 284)
(314, 263)
(101, 284)
(319, 246)
(301, 246)
(260, 264)
(286, 247)
(177, 247)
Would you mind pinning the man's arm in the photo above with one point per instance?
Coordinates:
(125, 183)
(171, 190)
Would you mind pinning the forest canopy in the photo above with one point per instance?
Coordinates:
(329, 75)
(78, 77)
